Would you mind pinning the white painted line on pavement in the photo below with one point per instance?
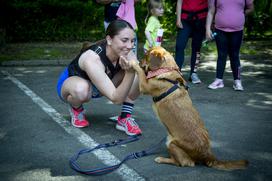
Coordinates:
(104, 155)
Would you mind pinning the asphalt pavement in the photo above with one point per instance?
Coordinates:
(37, 139)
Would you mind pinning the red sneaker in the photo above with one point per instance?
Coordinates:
(78, 118)
(128, 125)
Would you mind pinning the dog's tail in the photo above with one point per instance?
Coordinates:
(226, 165)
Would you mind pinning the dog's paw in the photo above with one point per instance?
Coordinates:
(133, 63)
(187, 163)
(158, 159)
(166, 160)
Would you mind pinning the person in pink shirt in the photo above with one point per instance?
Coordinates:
(229, 19)
(126, 11)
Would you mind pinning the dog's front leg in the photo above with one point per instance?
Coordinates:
(143, 84)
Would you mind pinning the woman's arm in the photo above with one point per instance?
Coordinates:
(209, 19)
(178, 13)
(249, 7)
(92, 65)
(149, 38)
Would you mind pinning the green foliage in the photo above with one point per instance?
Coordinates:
(39, 51)
(259, 24)
(80, 20)
(141, 12)
(53, 20)
(169, 19)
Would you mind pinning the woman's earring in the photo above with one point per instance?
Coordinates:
(108, 43)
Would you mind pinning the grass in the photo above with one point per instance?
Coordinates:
(60, 50)
(39, 51)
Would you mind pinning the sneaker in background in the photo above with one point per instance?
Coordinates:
(238, 85)
(195, 79)
(78, 118)
(217, 83)
(128, 125)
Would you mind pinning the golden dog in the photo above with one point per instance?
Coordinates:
(188, 140)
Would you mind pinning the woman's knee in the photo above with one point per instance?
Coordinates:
(77, 89)
(81, 92)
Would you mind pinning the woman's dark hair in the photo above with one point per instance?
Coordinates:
(113, 29)
(116, 26)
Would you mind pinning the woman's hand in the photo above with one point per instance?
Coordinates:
(208, 34)
(125, 64)
(179, 23)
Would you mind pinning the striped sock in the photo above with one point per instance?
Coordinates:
(127, 108)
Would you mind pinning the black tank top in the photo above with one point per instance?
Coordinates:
(100, 49)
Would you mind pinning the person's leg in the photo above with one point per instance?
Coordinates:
(198, 33)
(181, 42)
(194, 46)
(234, 50)
(125, 122)
(198, 57)
(198, 36)
(128, 104)
(76, 91)
(222, 51)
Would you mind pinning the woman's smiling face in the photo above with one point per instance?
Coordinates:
(123, 42)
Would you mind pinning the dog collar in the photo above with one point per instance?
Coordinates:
(154, 73)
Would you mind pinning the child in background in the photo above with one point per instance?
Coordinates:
(153, 30)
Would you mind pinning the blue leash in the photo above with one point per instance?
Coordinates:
(108, 169)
